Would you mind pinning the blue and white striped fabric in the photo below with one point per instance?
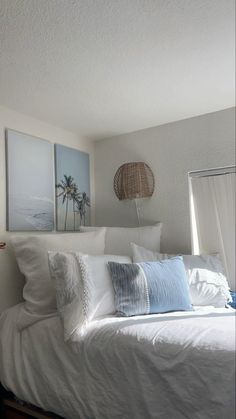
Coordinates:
(150, 287)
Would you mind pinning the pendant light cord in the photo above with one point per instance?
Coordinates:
(137, 211)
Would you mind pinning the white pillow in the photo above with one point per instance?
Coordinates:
(141, 254)
(84, 290)
(118, 239)
(32, 257)
(207, 282)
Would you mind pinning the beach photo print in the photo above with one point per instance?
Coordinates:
(30, 194)
(72, 188)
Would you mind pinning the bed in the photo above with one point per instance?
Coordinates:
(175, 365)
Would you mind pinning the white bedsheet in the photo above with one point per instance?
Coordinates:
(171, 366)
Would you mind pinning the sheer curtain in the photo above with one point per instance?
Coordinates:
(212, 200)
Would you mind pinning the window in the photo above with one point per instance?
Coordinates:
(212, 206)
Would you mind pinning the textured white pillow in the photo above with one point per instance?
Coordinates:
(207, 282)
(84, 290)
(32, 257)
(118, 239)
(65, 273)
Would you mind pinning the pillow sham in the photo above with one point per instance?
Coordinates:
(150, 287)
(118, 239)
(207, 282)
(84, 290)
(32, 257)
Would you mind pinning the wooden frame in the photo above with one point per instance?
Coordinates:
(12, 408)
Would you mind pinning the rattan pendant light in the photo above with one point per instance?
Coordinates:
(133, 181)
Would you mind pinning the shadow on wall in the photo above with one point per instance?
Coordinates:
(11, 280)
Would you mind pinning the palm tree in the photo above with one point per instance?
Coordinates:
(81, 202)
(68, 191)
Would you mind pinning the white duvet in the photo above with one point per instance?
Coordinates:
(169, 366)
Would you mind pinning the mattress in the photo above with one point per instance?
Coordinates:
(175, 365)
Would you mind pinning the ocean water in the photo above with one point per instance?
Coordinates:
(29, 213)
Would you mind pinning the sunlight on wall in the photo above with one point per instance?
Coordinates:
(194, 234)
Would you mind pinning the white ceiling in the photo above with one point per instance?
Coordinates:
(106, 67)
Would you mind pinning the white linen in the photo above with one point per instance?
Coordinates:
(207, 282)
(84, 289)
(118, 239)
(177, 365)
(32, 257)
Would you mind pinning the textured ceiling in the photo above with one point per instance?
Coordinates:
(105, 67)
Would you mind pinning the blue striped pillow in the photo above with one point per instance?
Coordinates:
(150, 287)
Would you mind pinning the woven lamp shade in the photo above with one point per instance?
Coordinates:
(134, 180)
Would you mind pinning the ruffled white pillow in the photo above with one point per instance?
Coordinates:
(207, 282)
(84, 291)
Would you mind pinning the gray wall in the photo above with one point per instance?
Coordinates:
(171, 150)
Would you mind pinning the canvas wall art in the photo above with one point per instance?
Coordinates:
(72, 188)
(30, 195)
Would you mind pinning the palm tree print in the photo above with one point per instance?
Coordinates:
(82, 202)
(69, 191)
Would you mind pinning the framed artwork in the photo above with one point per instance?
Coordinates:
(72, 188)
(30, 195)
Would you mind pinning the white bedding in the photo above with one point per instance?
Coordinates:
(169, 366)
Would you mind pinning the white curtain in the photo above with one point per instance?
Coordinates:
(213, 218)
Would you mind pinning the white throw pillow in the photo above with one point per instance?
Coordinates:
(207, 282)
(141, 254)
(84, 290)
(32, 257)
(118, 239)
